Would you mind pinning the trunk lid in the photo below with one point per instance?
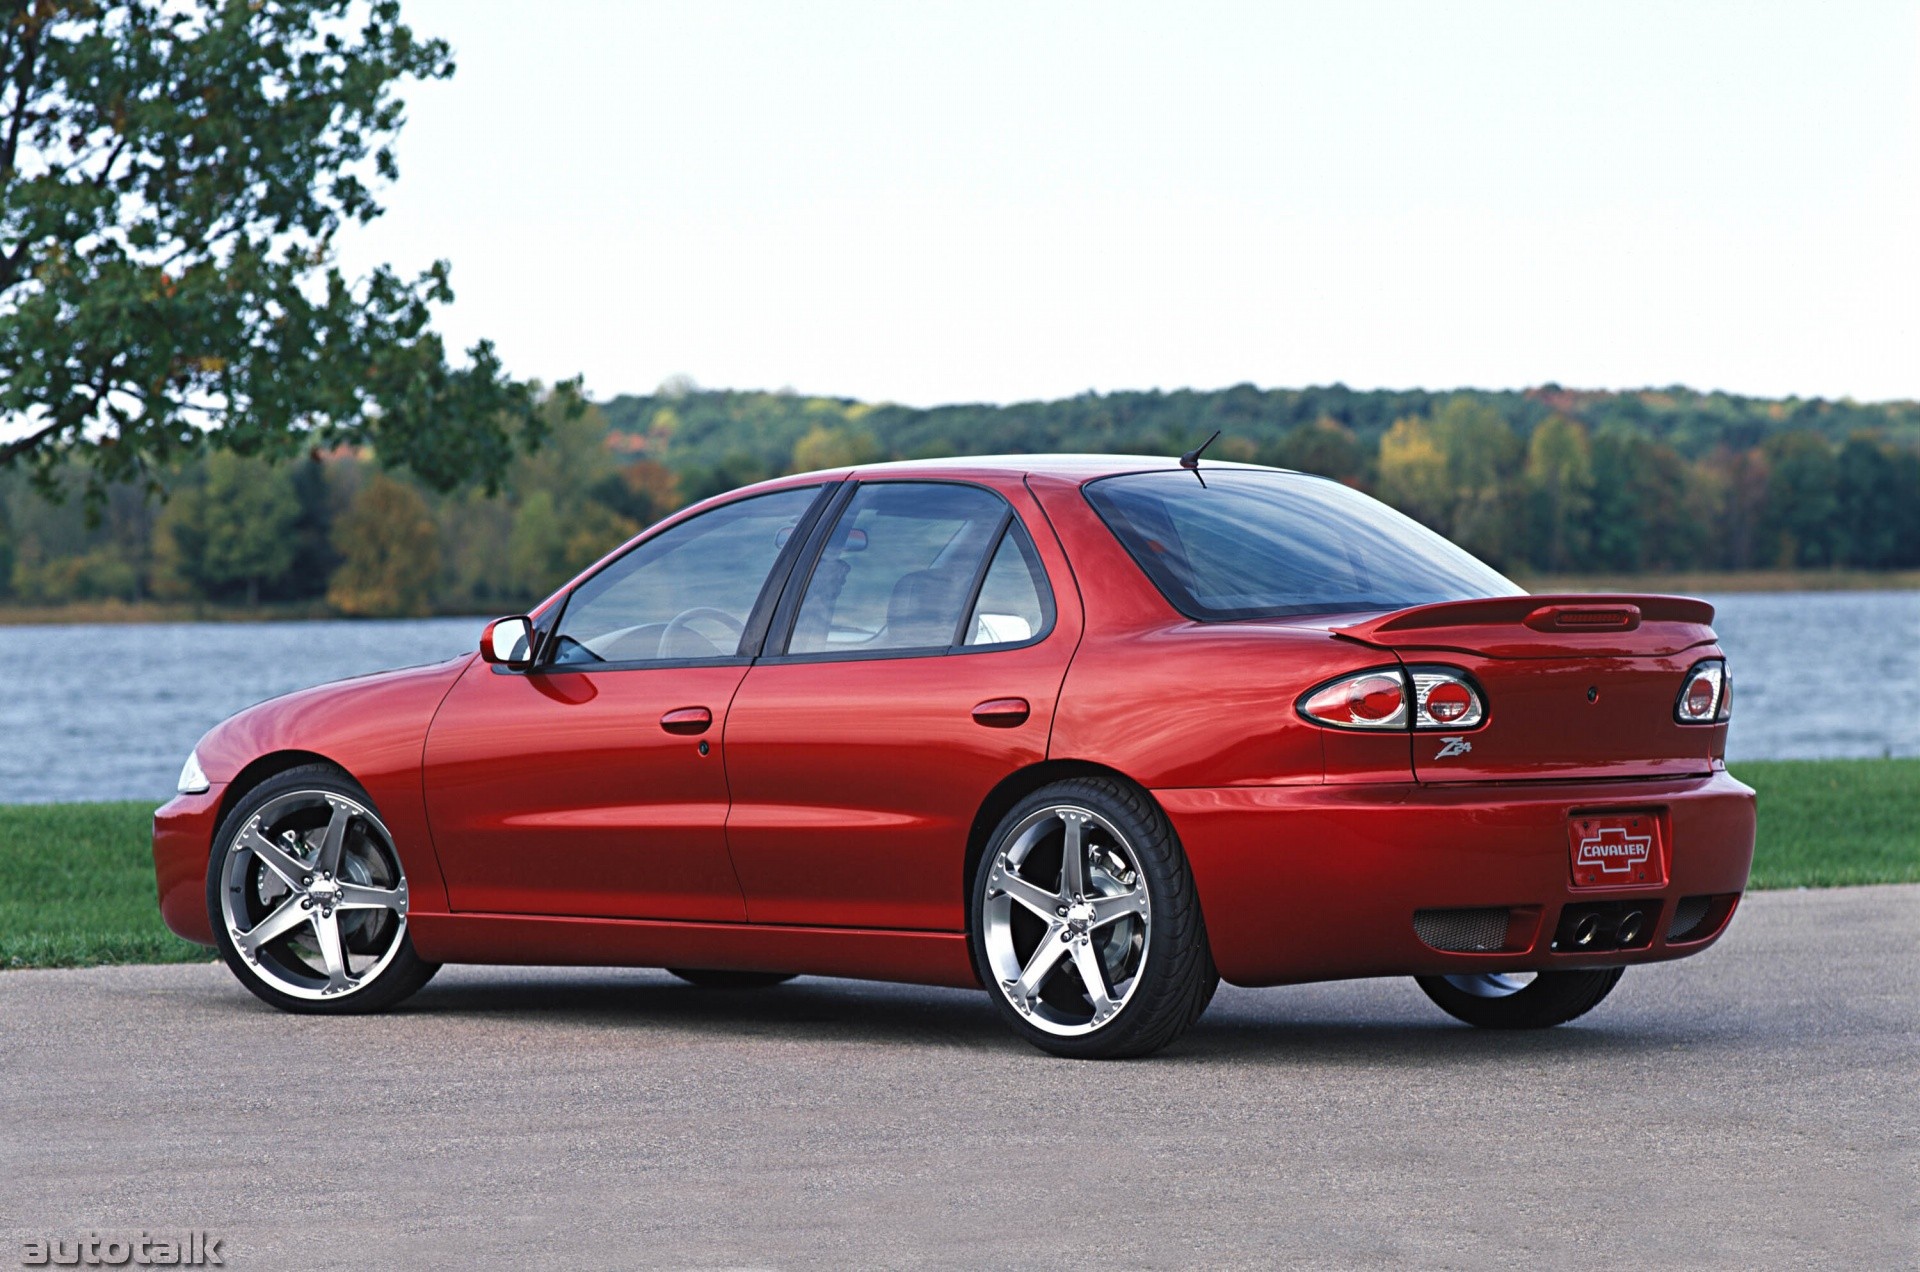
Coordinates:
(1575, 687)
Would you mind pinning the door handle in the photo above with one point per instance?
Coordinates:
(687, 720)
(1002, 713)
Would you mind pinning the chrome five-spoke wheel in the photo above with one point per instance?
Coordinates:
(310, 900)
(1067, 919)
(1085, 923)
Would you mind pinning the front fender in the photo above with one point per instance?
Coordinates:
(373, 727)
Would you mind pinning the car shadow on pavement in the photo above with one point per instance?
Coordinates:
(1270, 1027)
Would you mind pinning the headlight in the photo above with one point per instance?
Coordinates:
(193, 778)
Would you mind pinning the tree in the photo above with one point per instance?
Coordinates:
(390, 551)
(1326, 447)
(252, 512)
(1559, 481)
(1868, 495)
(833, 446)
(1802, 500)
(236, 533)
(172, 177)
(1483, 467)
(1413, 473)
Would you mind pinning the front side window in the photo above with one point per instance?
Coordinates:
(1270, 544)
(902, 570)
(686, 593)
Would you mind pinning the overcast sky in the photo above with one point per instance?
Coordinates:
(957, 202)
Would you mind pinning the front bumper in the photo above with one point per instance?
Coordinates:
(182, 839)
(1305, 883)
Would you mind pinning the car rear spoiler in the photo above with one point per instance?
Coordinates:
(1597, 626)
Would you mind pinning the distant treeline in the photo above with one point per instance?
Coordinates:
(1541, 480)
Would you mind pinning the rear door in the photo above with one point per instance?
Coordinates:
(1575, 687)
(917, 667)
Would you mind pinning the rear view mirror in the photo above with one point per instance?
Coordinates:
(508, 642)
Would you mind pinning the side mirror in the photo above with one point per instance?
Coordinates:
(508, 642)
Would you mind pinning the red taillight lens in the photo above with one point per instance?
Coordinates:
(1703, 695)
(1370, 700)
(1448, 703)
(1445, 699)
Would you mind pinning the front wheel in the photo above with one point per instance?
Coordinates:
(308, 900)
(1085, 923)
(1521, 1000)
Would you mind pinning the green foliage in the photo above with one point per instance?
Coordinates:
(234, 533)
(1559, 490)
(172, 177)
(1802, 500)
(1413, 473)
(390, 551)
(1559, 494)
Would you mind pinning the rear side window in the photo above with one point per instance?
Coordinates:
(1015, 605)
(902, 570)
(1270, 545)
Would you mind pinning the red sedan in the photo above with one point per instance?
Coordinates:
(1090, 731)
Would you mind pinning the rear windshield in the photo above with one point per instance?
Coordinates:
(1270, 544)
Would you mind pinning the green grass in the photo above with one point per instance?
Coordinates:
(1830, 823)
(76, 888)
(76, 880)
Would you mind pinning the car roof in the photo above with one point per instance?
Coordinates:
(1072, 467)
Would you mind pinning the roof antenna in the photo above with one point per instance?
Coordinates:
(1191, 460)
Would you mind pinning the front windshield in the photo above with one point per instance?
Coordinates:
(1251, 544)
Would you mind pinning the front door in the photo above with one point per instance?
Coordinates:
(594, 783)
(921, 668)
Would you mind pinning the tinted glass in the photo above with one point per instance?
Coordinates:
(898, 570)
(1256, 545)
(687, 592)
(1015, 604)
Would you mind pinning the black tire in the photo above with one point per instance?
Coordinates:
(1552, 998)
(1174, 978)
(715, 978)
(400, 971)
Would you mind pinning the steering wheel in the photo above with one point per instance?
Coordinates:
(684, 620)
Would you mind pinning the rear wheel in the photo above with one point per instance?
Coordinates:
(1521, 1000)
(712, 978)
(308, 900)
(1086, 927)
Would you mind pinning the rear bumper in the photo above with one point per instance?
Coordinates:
(1303, 883)
(182, 838)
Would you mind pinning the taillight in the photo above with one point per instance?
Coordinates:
(1438, 698)
(1706, 695)
(1445, 699)
(1369, 700)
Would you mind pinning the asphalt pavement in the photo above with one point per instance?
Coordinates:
(1755, 1106)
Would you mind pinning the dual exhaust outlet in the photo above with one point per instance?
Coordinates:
(1610, 925)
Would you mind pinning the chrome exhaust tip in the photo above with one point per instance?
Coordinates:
(1628, 931)
(1587, 931)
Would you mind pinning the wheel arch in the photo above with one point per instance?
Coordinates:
(1015, 787)
(265, 767)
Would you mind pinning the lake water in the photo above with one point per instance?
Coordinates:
(110, 711)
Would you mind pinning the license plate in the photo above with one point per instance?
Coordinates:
(1616, 850)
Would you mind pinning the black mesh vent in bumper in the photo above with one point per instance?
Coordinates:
(1479, 930)
(1689, 917)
